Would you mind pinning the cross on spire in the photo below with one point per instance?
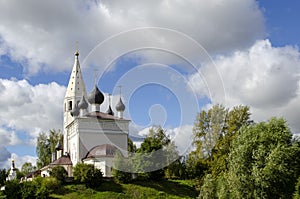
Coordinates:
(120, 89)
(95, 76)
(76, 47)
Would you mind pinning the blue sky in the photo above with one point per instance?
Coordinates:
(172, 58)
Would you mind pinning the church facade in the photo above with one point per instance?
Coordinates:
(91, 136)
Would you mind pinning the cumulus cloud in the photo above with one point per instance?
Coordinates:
(41, 35)
(264, 77)
(182, 137)
(5, 155)
(19, 161)
(31, 108)
(27, 109)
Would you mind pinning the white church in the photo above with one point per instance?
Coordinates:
(90, 136)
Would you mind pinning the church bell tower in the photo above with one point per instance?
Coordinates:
(74, 93)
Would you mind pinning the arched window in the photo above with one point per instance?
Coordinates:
(70, 106)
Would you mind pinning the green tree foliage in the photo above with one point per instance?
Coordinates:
(46, 143)
(214, 131)
(154, 154)
(263, 163)
(39, 188)
(297, 190)
(59, 173)
(13, 189)
(121, 166)
(27, 168)
(88, 174)
(236, 118)
(155, 140)
(208, 127)
(3, 175)
(131, 146)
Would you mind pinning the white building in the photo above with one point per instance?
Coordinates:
(91, 136)
(13, 171)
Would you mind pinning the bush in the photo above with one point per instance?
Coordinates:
(13, 189)
(121, 176)
(297, 192)
(59, 173)
(88, 174)
(39, 188)
(119, 165)
(28, 190)
(52, 185)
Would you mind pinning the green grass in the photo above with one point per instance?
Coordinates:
(139, 189)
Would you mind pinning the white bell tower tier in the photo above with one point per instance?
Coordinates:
(74, 93)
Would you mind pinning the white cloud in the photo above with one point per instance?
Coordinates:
(182, 137)
(8, 137)
(41, 35)
(31, 108)
(264, 77)
(19, 161)
(5, 155)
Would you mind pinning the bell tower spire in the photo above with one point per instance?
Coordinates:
(74, 93)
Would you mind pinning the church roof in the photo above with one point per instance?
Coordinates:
(63, 160)
(104, 150)
(101, 115)
(76, 86)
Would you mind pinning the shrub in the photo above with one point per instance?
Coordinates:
(28, 190)
(88, 174)
(297, 192)
(12, 189)
(59, 173)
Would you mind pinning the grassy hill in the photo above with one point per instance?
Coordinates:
(139, 189)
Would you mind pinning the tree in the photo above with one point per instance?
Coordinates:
(131, 146)
(208, 127)
(214, 131)
(263, 162)
(236, 118)
(88, 174)
(152, 155)
(121, 168)
(3, 175)
(59, 173)
(46, 143)
(27, 168)
(297, 190)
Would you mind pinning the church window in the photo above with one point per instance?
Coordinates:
(65, 108)
(70, 105)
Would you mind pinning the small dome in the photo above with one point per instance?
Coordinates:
(58, 146)
(120, 106)
(109, 111)
(95, 96)
(83, 103)
(75, 111)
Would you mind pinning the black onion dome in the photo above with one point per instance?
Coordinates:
(95, 96)
(83, 103)
(75, 111)
(120, 106)
(109, 111)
